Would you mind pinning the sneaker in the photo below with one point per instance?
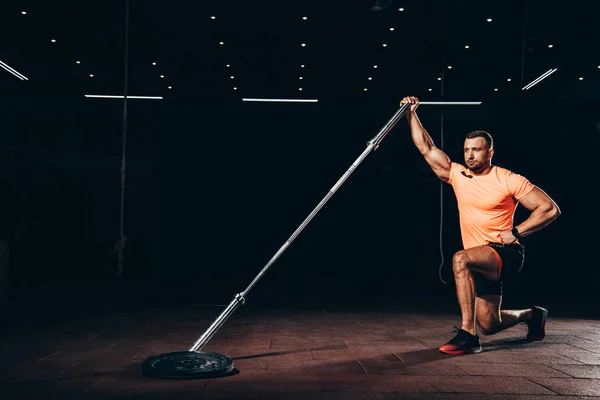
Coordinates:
(537, 324)
(462, 343)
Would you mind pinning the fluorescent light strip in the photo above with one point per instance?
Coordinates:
(108, 96)
(451, 103)
(13, 71)
(281, 100)
(539, 79)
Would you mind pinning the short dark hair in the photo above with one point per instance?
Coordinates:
(488, 138)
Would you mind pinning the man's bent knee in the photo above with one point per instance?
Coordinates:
(459, 261)
(488, 327)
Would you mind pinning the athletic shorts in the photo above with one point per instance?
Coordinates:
(511, 258)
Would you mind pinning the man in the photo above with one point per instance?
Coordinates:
(487, 196)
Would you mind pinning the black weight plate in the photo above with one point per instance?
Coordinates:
(187, 365)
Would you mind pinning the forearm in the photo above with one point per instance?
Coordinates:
(420, 136)
(538, 219)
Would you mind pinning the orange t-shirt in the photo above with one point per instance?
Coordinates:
(486, 203)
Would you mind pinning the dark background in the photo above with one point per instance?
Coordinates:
(214, 189)
(215, 185)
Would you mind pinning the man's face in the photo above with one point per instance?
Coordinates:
(477, 154)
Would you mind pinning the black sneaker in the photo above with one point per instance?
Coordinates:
(462, 343)
(537, 324)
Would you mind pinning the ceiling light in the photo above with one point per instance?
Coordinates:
(391, 29)
(221, 43)
(467, 46)
(280, 100)
(162, 76)
(508, 80)
(430, 89)
(304, 18)
(539, 79)
(108, 96)
(495, 90)
(231, 76)
(581, 78)
(228, 65)
(303, 45)
(78, 62)
(13, 71)
(300, 77)
(153, 63)
(370, 78)
(234, 88)
(213, 17)
(550, 46)
(302, 66)
(401, 9)
(449, 66)
(374, 66)
(24, 12)
(384, 45)
(299, 88)
(439, 79)
(489, 20)
(53, 40)
(91, 75)
(365, 89)
(170, 87)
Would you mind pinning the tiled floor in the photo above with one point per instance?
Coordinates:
(350, 354)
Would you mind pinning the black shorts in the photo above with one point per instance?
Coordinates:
(511, 257)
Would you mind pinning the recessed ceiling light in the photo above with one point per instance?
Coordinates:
(430, 89)
(467, 46)
(581, 78)
(303, 44)
(439, 79)
(234, 88)
(78, 62)
(374, 66)
(495, 90)
(302, 66)
(162, 76)
(300, 77)
(449, 66)
(24, 12)
(365, 89)
(228, 65)
(304, 18)
(299, 88)
(489, 20)
(231, 77)
(153, 63)
(53, 40)
(221, 43)
(391, 29)
(508, 80)
(170, 87)
(550, 46)
(213, 17)
(401, 9)
(370, 78)
(384, 45)
(91, 75)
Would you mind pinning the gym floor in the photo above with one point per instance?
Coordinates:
(315, 353)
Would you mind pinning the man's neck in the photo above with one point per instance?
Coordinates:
(484, 171)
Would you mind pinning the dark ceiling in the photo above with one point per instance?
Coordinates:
(262, 45)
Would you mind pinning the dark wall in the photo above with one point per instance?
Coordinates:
(216, 186)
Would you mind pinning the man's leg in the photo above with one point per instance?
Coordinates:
(492, 319)
(481, 260)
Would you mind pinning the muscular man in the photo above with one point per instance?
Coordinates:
(487, 196)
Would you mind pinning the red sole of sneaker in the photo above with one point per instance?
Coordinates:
(459, 352)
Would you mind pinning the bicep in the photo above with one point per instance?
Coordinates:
(439, 163)
(537, 198)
